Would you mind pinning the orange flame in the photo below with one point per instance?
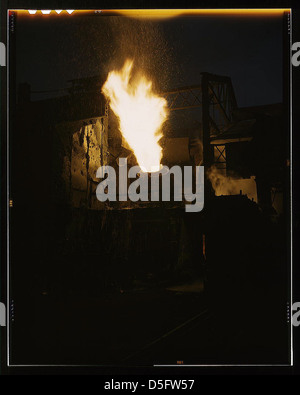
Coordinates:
(141, 114)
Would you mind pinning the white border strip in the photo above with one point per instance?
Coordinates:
(7, 203)
(291, 184)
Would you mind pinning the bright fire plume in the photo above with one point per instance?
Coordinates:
(141, 114)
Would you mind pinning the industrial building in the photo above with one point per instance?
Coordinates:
(81, 247)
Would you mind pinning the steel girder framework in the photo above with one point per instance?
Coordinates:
(216, 100)
(184, 98)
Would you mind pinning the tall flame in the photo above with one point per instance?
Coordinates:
(141, 114)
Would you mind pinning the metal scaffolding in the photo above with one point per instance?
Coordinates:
(216, 100)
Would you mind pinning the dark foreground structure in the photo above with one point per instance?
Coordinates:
(147, 283)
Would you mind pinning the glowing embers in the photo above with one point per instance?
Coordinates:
(141, 114)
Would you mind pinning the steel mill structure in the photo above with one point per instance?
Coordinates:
(88, 130)
(172, 269)
(242, 145)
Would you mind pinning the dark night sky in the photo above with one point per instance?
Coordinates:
(54, 49)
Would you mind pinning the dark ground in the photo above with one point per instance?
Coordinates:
(143, 328)
(115, 289)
